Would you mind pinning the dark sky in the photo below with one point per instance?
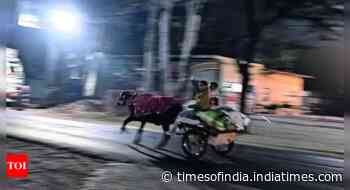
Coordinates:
(327, 65)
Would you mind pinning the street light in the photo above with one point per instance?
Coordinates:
(65, 21)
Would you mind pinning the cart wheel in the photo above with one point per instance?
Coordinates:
(194, 143)
(223, 149)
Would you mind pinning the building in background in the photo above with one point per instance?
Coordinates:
(278, 89)
(268, 89)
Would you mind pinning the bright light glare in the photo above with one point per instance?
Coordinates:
(65, 22)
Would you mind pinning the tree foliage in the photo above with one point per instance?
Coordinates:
(303, 23)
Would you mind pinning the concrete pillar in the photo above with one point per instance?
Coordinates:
(52, 57)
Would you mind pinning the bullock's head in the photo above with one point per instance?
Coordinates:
(124, 97)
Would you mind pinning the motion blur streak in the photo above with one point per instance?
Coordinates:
(347, 92)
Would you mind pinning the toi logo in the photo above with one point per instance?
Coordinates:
(16, 165)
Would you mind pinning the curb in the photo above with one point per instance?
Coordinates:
(279, 120)
(309, 118)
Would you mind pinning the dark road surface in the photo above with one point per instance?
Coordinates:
(108, 143)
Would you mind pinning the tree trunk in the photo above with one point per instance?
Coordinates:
(148, 55)
(164, 43)
(193, 22)
(249, 54)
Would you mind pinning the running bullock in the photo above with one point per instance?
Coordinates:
(148, 108)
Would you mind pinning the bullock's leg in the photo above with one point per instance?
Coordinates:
(173, 130)
(166, 136)
(166, 129)
(126, 121)
(142, 126)
(138, 136)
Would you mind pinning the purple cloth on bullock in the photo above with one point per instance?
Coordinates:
(147, 103)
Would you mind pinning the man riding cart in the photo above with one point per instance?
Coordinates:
(208, 108)
(207, 124)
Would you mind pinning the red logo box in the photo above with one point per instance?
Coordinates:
(16, 165)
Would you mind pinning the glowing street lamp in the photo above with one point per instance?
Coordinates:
(65, 21)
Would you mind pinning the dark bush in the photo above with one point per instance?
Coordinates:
(277, 106)
(286, 106)
(272, 107)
